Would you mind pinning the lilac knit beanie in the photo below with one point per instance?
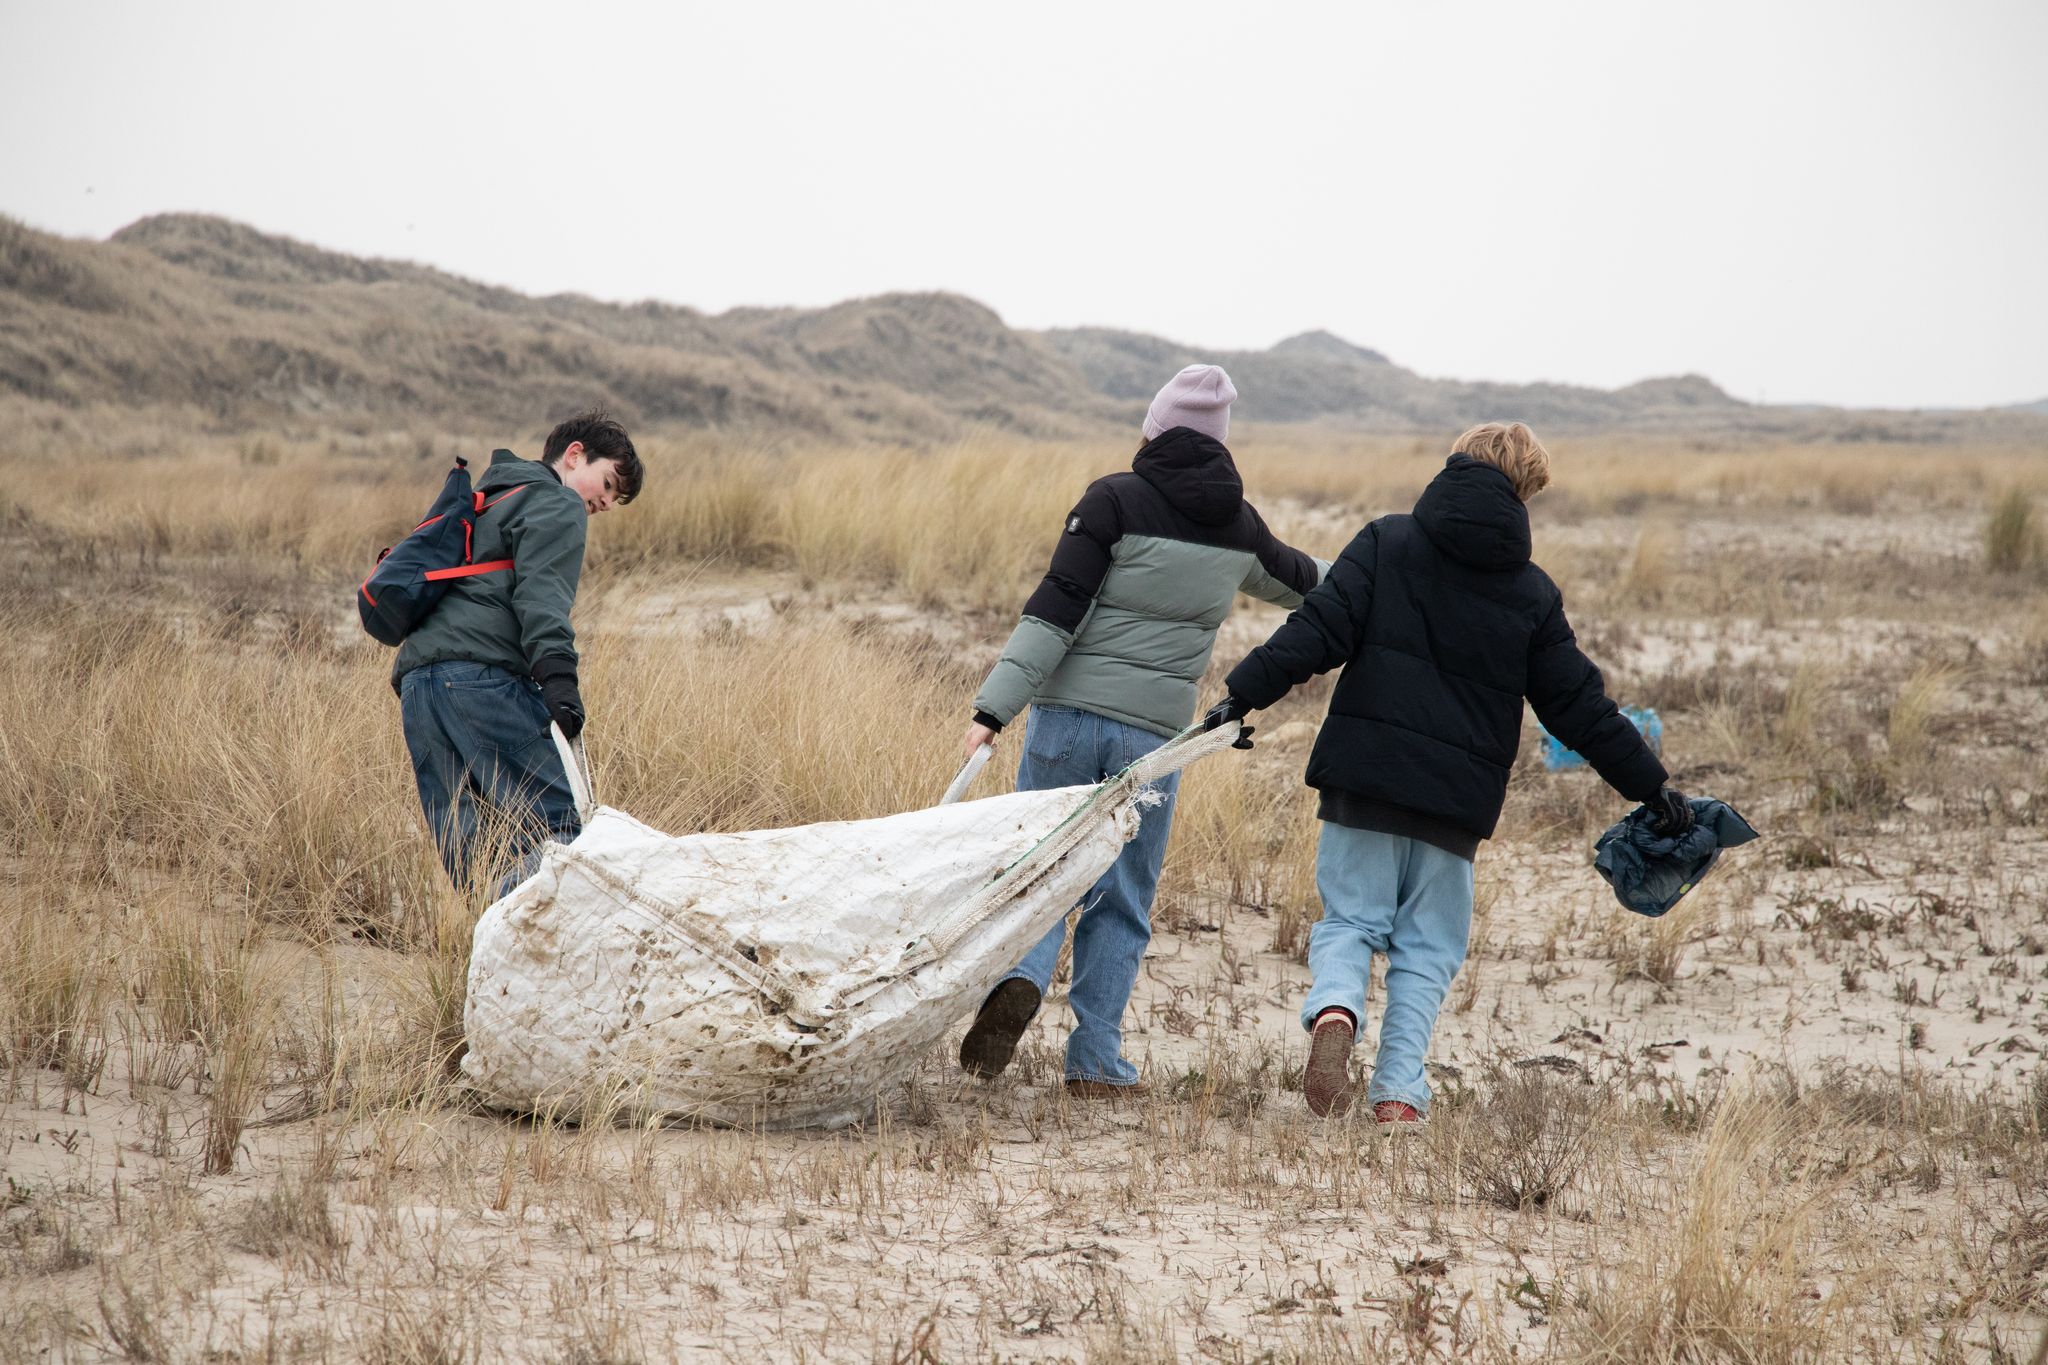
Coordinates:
(1200, 397)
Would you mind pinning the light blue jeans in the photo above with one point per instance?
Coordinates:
(1410, 901)
(1066, 748)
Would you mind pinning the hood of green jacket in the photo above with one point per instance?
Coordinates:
(507, 470)
(1195, 473)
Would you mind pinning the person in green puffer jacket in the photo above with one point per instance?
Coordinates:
(1108, 655)
(482, 676)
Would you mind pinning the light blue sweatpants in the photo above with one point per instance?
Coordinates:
(1410, 901)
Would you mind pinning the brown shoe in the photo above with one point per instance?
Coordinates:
(1080, 1089)
(992, 1040)
(1326, 1080)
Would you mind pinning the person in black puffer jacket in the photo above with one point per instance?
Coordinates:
(1442, 626)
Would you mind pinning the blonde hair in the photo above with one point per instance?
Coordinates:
(1514, 450)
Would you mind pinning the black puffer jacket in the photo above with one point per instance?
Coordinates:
(1443, 626)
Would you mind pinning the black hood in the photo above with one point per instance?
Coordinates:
(1193, 472)
(1471, 513)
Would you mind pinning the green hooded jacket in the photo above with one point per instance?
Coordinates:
(517, 618)
(1144, 571)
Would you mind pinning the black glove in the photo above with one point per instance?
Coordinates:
(557, 679)
(1670, 814)
(1223, 713)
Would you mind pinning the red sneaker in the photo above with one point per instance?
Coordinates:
(1326, 1080)
(1388, 1113)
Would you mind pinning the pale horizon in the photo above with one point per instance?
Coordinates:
(1821, 206)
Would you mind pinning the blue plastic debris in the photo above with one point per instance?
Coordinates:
(1557, 758)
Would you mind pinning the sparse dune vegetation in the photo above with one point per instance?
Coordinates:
(1803, 1117)
(2012, 538)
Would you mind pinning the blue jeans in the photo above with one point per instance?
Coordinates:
(1404, 898)
(1067, 748)
(478, 736)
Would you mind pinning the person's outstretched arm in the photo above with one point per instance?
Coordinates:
(1280, 574)
(1570, 697)
(1052, 615)
(1321, 634)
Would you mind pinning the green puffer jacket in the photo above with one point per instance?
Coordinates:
(519, 618)
(1145, 571)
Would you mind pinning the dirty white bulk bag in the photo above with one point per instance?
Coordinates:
(783, 977)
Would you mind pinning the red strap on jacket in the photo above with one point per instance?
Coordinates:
(478, 506)
(466, 570)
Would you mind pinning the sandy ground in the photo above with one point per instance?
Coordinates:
(1027, 1227)
(1215, 1220)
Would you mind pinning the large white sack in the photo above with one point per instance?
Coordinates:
(783, 977)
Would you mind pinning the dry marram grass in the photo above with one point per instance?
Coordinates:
(1800, 1118)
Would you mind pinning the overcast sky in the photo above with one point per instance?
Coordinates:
(1832, 202)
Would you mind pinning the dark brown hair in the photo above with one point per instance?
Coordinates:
(603, 439)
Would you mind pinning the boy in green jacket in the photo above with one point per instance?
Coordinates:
(480, 678)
